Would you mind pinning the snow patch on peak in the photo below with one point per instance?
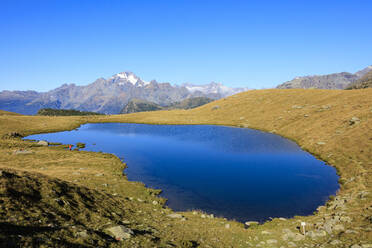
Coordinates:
(213, 88)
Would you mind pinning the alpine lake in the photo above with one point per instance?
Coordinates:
(237, 173)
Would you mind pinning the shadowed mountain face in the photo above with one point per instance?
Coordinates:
(330, 81)
(109, 96)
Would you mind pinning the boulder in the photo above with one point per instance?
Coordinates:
(120, 232)
(42, 143)
(175, 216)
(354, 120)
(83, 234)
(251, 223)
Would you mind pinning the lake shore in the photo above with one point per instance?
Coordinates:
(334, 125)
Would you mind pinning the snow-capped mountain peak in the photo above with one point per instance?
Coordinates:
(128, 77)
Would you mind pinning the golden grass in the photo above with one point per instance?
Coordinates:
(318, 120)
(3, 112)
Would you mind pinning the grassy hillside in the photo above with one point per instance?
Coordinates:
(334, 125)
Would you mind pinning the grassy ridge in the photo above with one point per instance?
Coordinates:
(334, 125)
(3, 112)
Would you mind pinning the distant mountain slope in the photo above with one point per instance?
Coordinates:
(16, 101)
(138, 105)
(110, 95)
(364, 82)
(190, 103)
(64, 112)
(330, 81)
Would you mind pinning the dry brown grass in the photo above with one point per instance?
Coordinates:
(305, 116)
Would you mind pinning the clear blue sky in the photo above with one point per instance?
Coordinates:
(256, 44)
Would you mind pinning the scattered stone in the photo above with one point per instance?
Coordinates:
(351, 232)
(104, 184)
(241, 118)
(203, 216)
(120, 232)
(99, 174)
(297, 107)
(154, 203)
(316, 234)
(75, 173)
(291, 245)
(339, 227)
(345, 219)
(336, 242)
(194, 212)
(227, 226)
(354, 120)
(140, 200)
(363, 194)
(21, 151)
(298, 237)
(326, 107)
(82, 234)
(42, 143)
(216, 107)
(355, 246)
(251, 223)
(366, 245)
(271, 241)
(281, 218)
(175, 216)
(306, 115)
(320, 143)
(265, 232)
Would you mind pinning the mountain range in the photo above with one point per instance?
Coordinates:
(330, 81)
(109, 96)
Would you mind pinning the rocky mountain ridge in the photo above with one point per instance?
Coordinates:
(362, 83)
(110, 95)
(329, 81)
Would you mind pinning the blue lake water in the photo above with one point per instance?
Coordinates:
(236, 173)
